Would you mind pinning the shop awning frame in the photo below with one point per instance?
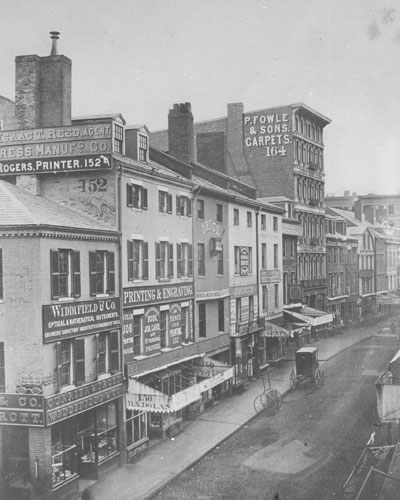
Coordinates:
(271, 330)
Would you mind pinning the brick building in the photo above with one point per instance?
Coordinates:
(279, 151)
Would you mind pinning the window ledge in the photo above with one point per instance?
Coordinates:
(102, 376)
(67, 388)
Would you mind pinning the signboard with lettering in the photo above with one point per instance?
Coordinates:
(151, 331)
(67, 320)
(127, 336)
(244, 261)
(55, 149)
(175, 328)
(65, 405)
(269, 130)
(270, 276)
(18, 409)
(139, 296)
(54, 164)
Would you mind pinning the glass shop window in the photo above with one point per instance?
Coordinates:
(136, 426)
(63, 452)
(106, 430)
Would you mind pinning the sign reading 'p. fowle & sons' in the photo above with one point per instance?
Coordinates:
(61, 321)
(55, 149)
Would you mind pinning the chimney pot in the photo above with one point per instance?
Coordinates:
(54, 37)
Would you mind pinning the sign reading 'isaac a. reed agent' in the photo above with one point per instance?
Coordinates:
(62, 321)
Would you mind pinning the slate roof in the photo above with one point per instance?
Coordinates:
(18, 207)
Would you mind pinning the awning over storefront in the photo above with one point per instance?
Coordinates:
(271, 330)
(140, 396)
(388, 299)
(313, 317)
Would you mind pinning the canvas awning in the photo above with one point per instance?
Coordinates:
(388, 299)
(140, 396)
(271, 330)
(313, 317)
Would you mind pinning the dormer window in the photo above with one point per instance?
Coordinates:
(143, 148)
(118, 139)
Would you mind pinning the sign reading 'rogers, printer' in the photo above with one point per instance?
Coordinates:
(62, 321)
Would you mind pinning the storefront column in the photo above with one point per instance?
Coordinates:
(40, 460)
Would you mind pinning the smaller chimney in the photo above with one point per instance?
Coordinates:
(54, 37)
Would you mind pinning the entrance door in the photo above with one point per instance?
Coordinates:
(16, 455)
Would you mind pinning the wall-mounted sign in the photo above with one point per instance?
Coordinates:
(269, 131)
(139, 296)
(270, 276)
(151, 331)
(67, 404)
(213, 294)
(17, 409)
(28, 152)
(213, 227)
(244, 261)
(175, 326)
(67, 320)
(54, 164)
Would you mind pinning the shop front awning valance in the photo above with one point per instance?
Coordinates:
(271, 330)
(311, 316)
(388, 299)
(142, 397)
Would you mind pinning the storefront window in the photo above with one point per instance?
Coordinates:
(86, 438)
(106, 430)
(136, 426)
(63, 453)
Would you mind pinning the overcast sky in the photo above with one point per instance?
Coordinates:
(138, 57)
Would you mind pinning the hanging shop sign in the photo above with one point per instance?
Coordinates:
(140, 296)
(61, 321)
(25, 410)
(54, 164)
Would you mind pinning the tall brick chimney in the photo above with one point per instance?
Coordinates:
(43, 89)
(181, 142)
(42, 97)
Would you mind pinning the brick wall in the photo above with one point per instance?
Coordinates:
(27, 91)
(181, 132)
(7, 113)
(211, 150)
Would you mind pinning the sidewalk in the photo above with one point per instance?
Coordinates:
(162, 463)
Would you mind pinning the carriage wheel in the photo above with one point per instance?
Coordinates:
(318, 378)
(293, 380)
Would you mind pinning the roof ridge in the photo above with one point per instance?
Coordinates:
(18, 202)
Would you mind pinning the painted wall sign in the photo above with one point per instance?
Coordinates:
(269, 130)
(138, 296)
(127, 335)
(55, 164)
(270, 276)
(136, 450)
(175, 328)
(71, 319)
(151, 331)
(244, 261)
(213, 294)
(17, 409)
(56, 134)
(54, 149)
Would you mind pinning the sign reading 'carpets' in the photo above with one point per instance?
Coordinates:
(62, 321)
(269, 131)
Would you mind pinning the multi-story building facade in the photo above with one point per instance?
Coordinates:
(279, 151)
(60, 340)
(378, 209)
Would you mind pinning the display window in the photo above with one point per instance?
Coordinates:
(136, 426)
(106, 417)
(63, 452)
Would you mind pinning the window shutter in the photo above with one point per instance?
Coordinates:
(171, 260)
(129, 195)
(76, 274)
(130, 260)
(54, 270)
(178, 205)
(92, 272)
(58, 364)
(145, 260)
(190, 262)
(179, 260)
(189, 207)
(158, 264)
(144, 204)
(170, 203)
(110, 272)
(114, 352)
(79, 361)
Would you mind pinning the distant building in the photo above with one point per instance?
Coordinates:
(345, 202)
